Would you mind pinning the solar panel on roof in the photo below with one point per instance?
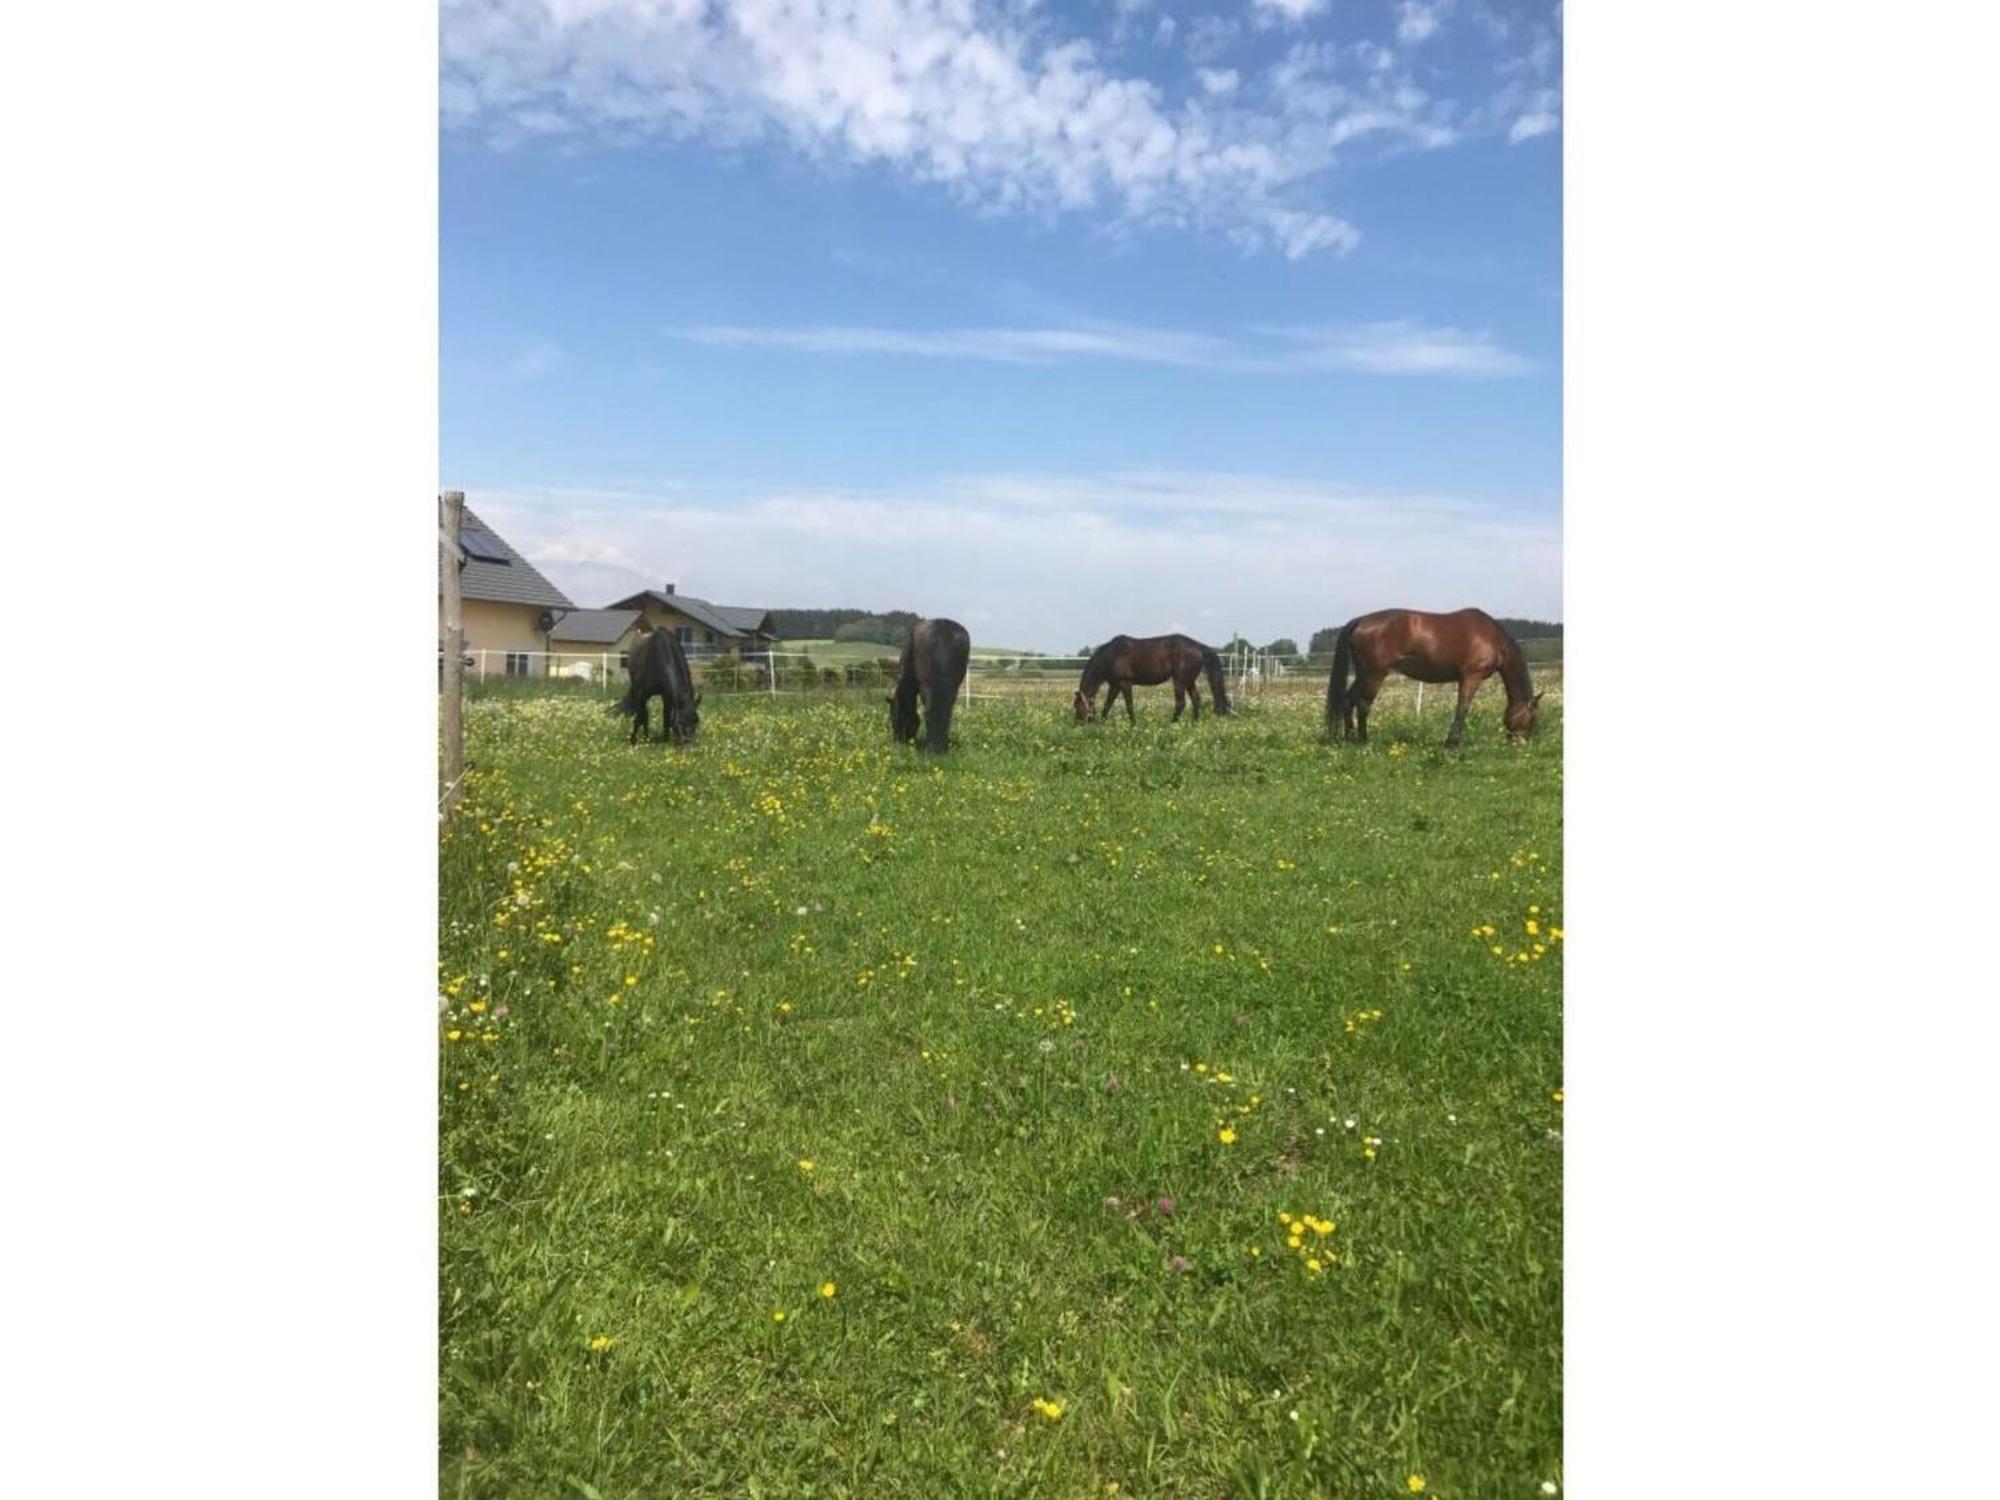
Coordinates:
(480, 543)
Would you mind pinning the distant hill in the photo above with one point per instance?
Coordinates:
(890, 627)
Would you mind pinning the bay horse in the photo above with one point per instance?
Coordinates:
(1466, 646)
(659, 669)
(1148, 661)
(931, 669)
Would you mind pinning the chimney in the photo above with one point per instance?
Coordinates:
(669, 588)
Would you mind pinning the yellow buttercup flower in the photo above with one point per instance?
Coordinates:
(827, 1289)
(1416, 1484)
(1050, 1409)
(602, 1342)
(1226, 1136)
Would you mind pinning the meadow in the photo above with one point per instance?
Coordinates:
(1169, 1110)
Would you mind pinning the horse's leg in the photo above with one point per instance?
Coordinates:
(1180, 702)
(1468, 685)
(638, 722)
(1194, 692)
(1130, 717)
(1363, 698)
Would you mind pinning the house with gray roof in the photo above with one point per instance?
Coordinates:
(704, 629)
(507, 608)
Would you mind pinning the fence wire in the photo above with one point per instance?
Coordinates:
(1249, 675)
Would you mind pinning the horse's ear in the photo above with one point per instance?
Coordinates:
(1536, 701)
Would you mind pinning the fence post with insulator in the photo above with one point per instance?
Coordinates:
(451, 557)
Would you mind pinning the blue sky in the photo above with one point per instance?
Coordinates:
(1060, 319)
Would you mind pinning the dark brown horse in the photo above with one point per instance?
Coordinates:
(932, 668)
(659, 669)
(1148, 661)
(1466, 647)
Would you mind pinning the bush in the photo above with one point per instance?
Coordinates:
(731, 674)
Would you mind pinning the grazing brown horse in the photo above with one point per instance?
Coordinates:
(932, 668)
(1122, 661)
(1466, 647)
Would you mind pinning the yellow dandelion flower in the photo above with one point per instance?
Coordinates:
(602, 1342)
(827, 1289)
(1226, 1136)
(778, 1316)
(1416, 1484)
(806, 1165)
(1050, 1409)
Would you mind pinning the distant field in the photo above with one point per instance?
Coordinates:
(1103, 1111)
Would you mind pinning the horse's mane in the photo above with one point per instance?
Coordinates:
(1098, 666)
(1514, 672)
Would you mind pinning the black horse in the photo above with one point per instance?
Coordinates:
(1122, 661)
(659, 668)
(932, 668)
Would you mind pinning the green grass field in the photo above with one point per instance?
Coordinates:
(1102, 1111)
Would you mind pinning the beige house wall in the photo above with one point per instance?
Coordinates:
(567, 654)
(500, 628)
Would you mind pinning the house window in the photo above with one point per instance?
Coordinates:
(517, 664)
(684, 634)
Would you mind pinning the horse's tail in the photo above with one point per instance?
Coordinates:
(1336, 681)
(1212, 664)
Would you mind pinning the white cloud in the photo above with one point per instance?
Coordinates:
(1268, 556)
(1540, 119)
(1210, 36)
(1218, 80)
(1405, 348)
(538, 359)
(1290, 10)
(1418, 22)
(1381, 348)
(991, 101)
(1005, 345)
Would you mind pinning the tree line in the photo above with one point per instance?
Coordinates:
(888, 628)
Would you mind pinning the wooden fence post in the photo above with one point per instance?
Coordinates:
(451, 514)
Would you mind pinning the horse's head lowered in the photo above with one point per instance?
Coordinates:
(1086, 709)
(1521, 717)
(905, 721)
(685, 719)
